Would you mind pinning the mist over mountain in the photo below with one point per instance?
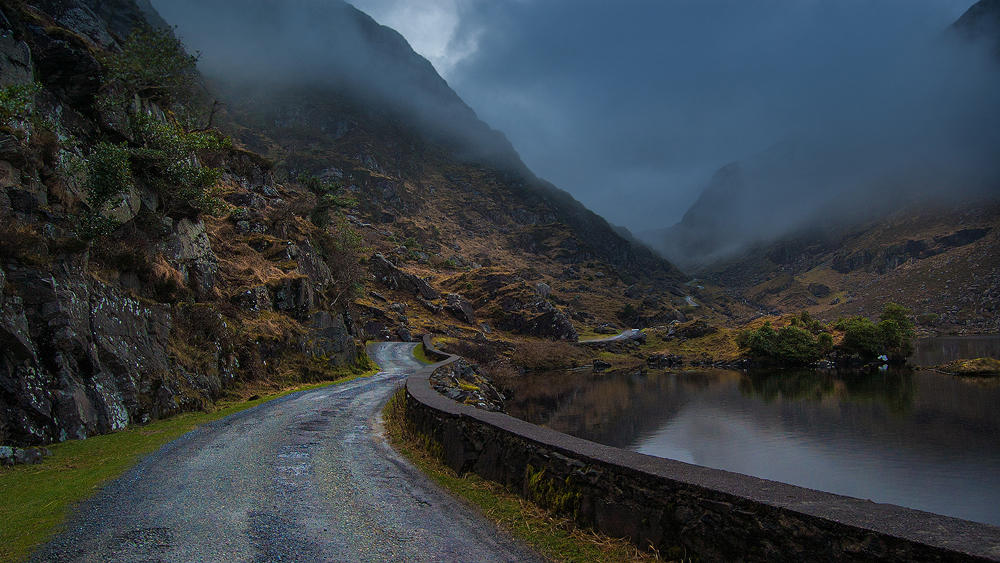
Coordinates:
(929, 134)
(264, 46)
(318, 70)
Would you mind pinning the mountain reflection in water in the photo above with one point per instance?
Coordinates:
(917, 439)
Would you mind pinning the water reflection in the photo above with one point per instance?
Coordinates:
(917, 439)
(892, 388)
(941, 350)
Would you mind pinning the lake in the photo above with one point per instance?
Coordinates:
(912, 438)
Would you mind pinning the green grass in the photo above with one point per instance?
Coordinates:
(36, 498)
(979, 367)
(421, 354)
(558, 539)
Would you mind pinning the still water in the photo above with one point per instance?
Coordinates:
(912, 438)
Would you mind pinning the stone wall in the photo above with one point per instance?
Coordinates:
(684, 510)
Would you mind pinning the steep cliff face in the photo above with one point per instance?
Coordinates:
(147, 266)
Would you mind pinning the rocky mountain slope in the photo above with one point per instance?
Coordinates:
(126, 293)
(168, 237)
(941, 263)
(455, 206)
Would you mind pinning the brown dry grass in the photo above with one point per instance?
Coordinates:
(543, 355)
(270, 325)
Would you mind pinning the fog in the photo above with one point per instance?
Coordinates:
(264, 46)
(632, 107)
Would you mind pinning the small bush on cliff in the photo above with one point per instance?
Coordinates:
(109, 175)
(16, 101)
(153, 65)
(341, 249)
(329, 198)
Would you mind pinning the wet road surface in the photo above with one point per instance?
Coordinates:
(306, 478)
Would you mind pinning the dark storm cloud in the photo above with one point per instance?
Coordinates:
(631, 106)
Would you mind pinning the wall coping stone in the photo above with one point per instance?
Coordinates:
(959, 537)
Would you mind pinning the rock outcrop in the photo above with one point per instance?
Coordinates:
(466, 383)
(389, 275)
(122, 311)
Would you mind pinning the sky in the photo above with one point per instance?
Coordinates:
(632, 105)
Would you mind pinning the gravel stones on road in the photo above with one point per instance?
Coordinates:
(306, 478)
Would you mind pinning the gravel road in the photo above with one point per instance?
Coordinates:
(306, 478)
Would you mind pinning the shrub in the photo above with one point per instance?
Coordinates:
(108, 174)
(892, 336)
(165, 157)
(341, 250)
(152, 64)
(17, 101)
(627, 314)
(861, 338)
(789, 345)
(329, 197)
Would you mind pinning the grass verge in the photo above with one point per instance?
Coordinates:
(37, 497)
(558, 539)
(421, 354)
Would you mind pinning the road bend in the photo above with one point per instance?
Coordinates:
(306, 478)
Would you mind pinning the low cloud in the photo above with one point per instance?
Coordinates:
(276, 45)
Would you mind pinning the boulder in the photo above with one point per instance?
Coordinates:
(295, 296)
(601, 365)
(606, 328)
(664, 361)
(468, 384)
(329, 337)
(256, 299)
(389, 275)
(819, 290)
(430, 306)
(192, 255)
(543, 289)
(460, 308)
(15, 61)
(550, 324)
(697, 329)
(633, 292)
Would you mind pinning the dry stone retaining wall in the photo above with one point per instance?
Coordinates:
(683, 510)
